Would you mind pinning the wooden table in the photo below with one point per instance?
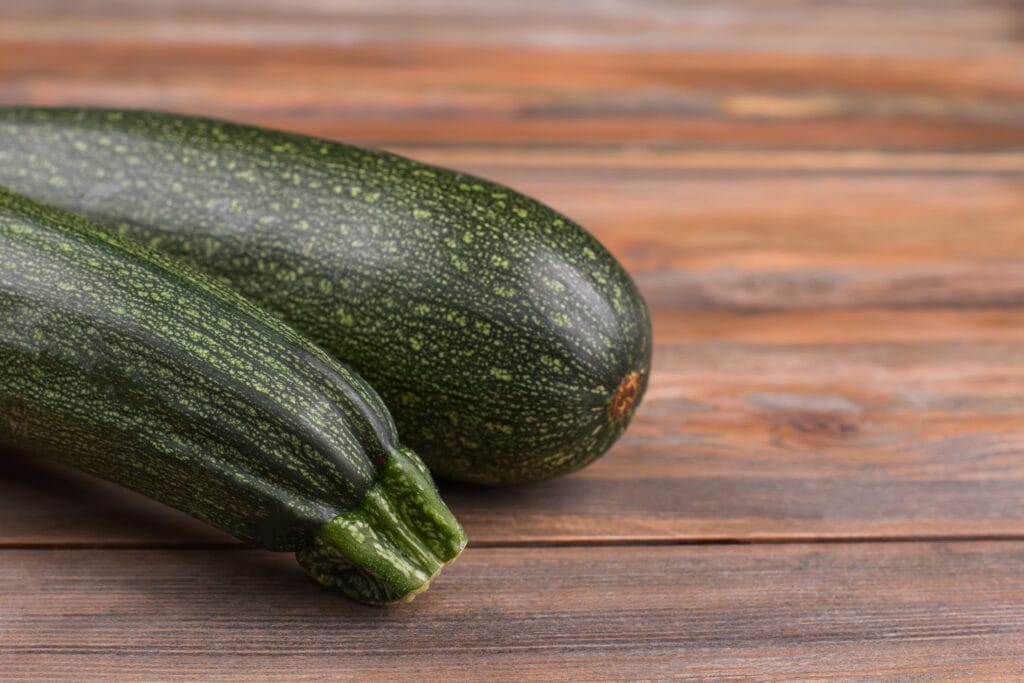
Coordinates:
(824, 206)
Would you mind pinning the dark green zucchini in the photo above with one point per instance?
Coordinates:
(508, 344)
(131, 366)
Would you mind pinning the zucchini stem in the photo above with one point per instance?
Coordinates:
(390, 547)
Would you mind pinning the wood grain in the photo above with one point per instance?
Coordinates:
(774, 75)
(361, 107)
(809, 612)
(824, 205)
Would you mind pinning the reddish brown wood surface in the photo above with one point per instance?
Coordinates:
(824, 205)
(889, 611)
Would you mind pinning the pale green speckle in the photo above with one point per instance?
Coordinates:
(500, 428)
(460, 263)
(554, 285)
(457, 318)
(344, 317)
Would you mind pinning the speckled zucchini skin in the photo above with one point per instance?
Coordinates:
(131, 366)
(508, 343)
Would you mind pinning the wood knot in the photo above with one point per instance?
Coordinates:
(820, 423)
(816, 429)
(624, 398)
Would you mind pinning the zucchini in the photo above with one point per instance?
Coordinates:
(508, 343)
(133, 367)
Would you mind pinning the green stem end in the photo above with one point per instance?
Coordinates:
(390, 547)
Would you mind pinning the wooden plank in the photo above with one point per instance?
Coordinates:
(913, 27)
(793, 424)
(479, 95)
(782, 74)
(808, 612)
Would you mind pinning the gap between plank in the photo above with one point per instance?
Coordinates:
(556, 543)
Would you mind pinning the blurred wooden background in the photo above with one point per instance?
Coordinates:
(823, 203)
